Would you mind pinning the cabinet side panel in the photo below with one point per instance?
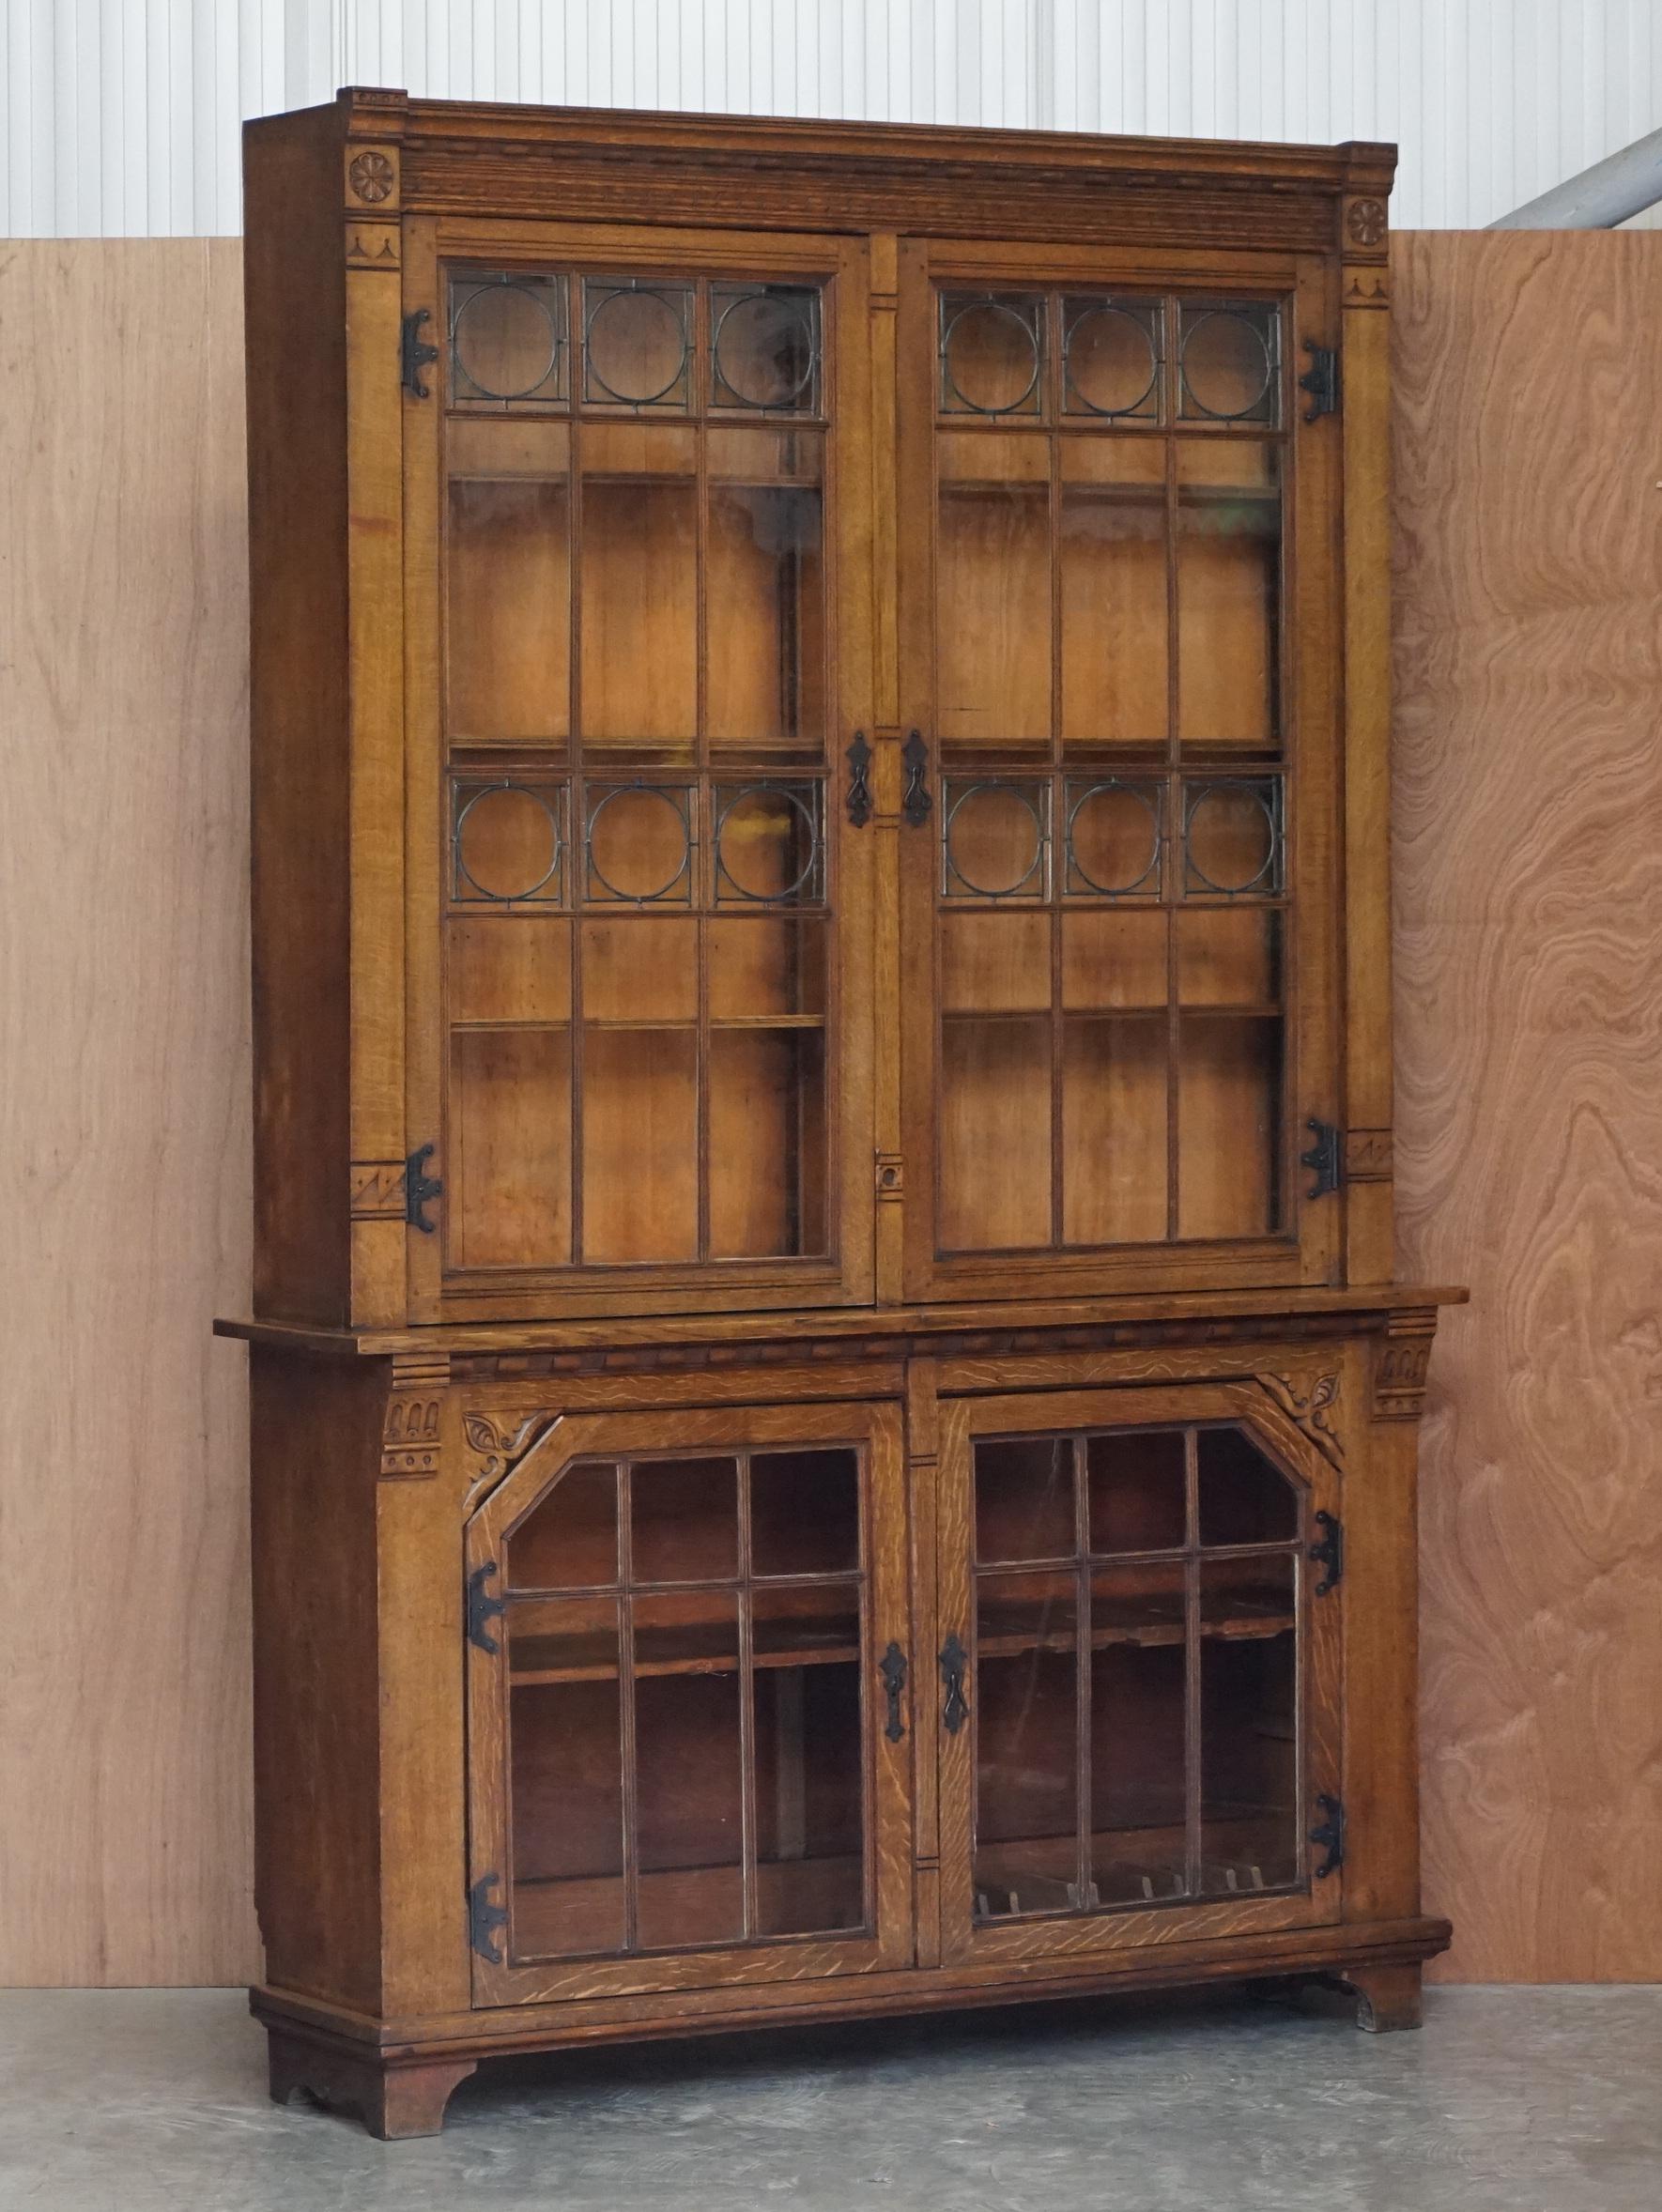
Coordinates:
(297, 494)
(314, 1435)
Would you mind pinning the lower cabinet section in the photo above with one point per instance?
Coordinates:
(922, 1677)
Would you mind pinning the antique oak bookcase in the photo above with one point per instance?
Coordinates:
(832, 1427)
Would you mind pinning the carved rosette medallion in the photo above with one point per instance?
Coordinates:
(1310, 1405)
(1365, 222)
(372, 176)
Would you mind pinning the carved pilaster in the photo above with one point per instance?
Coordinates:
(1401, 1358)
(409, 1432)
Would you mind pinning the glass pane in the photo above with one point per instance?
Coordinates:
(508, 968)
(1113, 837)
(1114, 958)
(508, 615)
(811, 1870)
(994, 1133)
(993, 581)
(1229, 1126)
(1114, 1130)
(639, 613)
(767, 1143)
(641, 1174)
(1139, 1837)
(1113, 611)
(640, 968)
(764, 346)
(508, 842)
(769, 843)
(1232, 836)
(1243, 1497)
(509, 1164)
(1228, 593)
(1248, 1596)
(1111, 357)
(1230, 357)
(567, 1764)
(637, 343)
(1137, 1489)
(804, 1512)
(569, 1540)
(1229, 956)
(995, 838)
(640, 844)
(689, 1789)
(1024, 1707)
(508, 340)
(760, 966)
(683, 1520)
(764, 586)
(995, 963)
(991, 353)
(1024, 1498)
(1249, 1762)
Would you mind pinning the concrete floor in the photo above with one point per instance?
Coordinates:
(1509, 2100)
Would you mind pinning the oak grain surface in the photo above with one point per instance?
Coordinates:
(124, 1642)
(1527, 822)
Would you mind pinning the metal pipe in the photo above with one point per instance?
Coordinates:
(1608, 193)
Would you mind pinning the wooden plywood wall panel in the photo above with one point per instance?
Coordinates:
(1528, 1112)
(124, 1117)
(1528, 872)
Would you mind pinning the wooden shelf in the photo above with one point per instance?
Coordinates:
(687, 1907)
(696, 1649)
(1007, 1631)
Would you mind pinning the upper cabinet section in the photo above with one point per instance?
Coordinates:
(818, 714)
(639, 1032)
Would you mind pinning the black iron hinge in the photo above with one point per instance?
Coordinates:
(1322, 380)
(414, 353)
(915, 800)
(1328, 1554)
(1325, 1158)
(486, 1920)
(859, 781)
(419, 1187)
(483, 1609)
(1328, 1835)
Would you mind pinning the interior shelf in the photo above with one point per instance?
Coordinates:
(699, 1647)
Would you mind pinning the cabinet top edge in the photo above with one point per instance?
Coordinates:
(1191, 1311)
(728, 142)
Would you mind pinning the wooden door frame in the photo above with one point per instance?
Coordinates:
(1319, 1901)
(1311, 661)
(846, 1277)
(874, 1428)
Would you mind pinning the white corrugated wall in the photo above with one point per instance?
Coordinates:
(119, 117)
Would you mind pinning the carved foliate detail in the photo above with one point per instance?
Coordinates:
(411, 1429)
(372, 176)
(502, 1448)
(1311, 1406)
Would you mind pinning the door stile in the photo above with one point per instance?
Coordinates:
(424, 604)
(923, 1439)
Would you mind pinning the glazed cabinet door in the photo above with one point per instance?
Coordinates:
(1120, 638)
(1139, 1671)
(688, 1706)
(639, 600)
